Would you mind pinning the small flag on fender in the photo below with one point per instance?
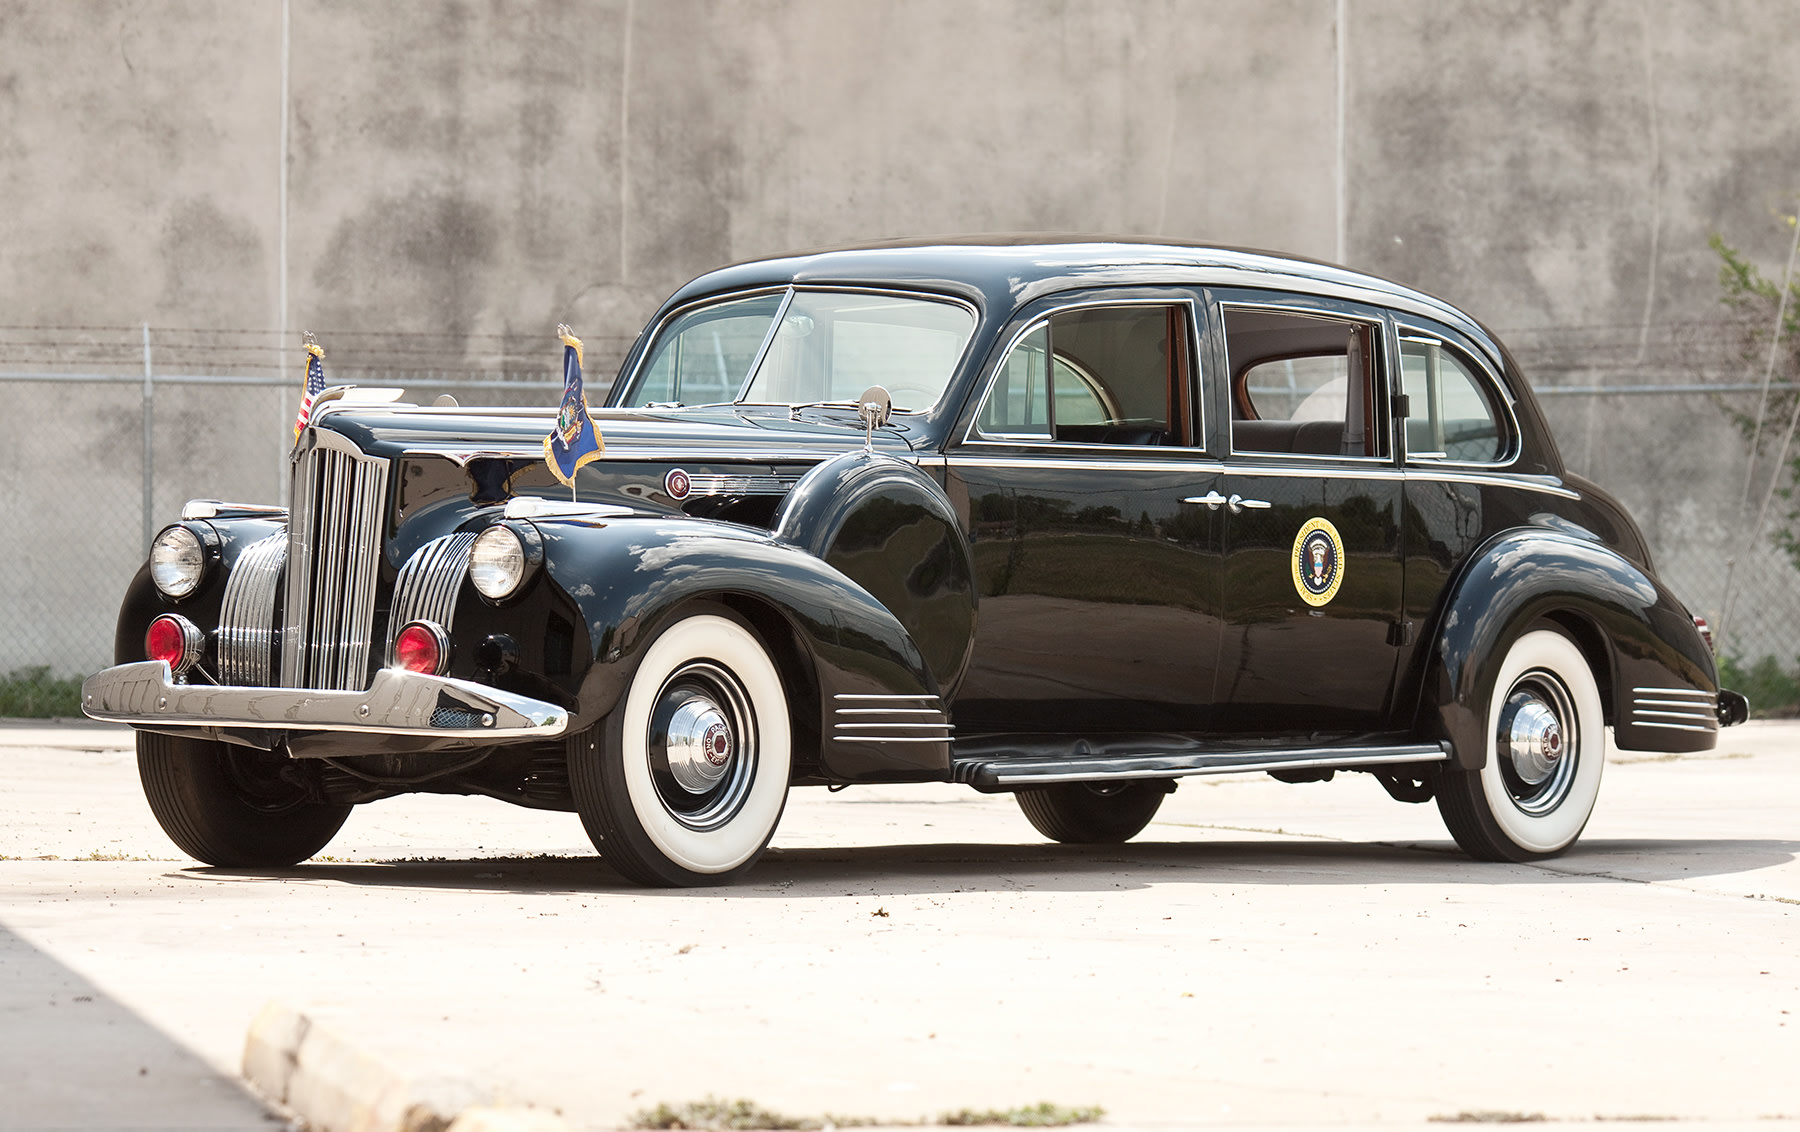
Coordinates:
(575, 441)
(315, 382)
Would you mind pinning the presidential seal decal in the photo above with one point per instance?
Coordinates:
(1318, 561)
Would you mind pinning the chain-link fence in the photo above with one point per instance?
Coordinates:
(105, 432)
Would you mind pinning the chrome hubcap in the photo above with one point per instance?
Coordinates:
(702, 745)
(698, 745)
(1537, 747)
(1533, 739)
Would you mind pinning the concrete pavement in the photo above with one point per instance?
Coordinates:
(1264, 954)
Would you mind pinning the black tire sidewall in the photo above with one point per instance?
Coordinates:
(195, 798)
(1074, 814)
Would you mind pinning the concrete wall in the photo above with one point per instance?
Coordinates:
(459, 177)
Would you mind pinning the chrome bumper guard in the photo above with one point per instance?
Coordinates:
(397, 703)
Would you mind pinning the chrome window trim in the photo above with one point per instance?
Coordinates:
(787, 292)
(1546, 485)
(1514, 441)
(1207, 465)
(1249, 271)
(1277, 308)
(1203, 464)
(973, 436)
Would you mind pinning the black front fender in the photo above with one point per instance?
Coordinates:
(888, 527)
(630, 575)
(1634, 633)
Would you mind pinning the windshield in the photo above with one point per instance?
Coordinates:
(829, 346)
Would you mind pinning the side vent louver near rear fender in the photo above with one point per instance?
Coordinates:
(1674, 709)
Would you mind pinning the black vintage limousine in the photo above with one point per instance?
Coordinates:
(1068, 519)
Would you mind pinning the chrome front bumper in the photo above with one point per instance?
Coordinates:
(397, 703)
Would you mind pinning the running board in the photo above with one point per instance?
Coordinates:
(999, 774)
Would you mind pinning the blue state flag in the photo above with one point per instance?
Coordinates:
(574, 441)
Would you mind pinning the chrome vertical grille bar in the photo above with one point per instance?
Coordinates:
(302, 538)
(247, 615)
(427, 586)
(321, 639)
(365, 562)
(328, 614)
(334, 560)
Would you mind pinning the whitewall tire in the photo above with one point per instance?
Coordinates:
(1546, 749)
(685, 782)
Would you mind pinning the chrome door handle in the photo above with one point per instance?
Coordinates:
(1212, 499)
(1238, 503)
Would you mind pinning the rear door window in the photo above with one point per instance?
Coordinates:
(1303, 383)
(1452, 414)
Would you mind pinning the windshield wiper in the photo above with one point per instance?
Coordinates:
(848, 406)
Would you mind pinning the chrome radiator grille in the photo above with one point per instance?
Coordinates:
(334, 556)
(247, 617)
(427, 585)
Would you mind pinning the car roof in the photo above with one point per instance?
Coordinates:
(1002, 272)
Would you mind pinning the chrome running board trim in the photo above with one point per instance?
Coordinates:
(1006, 774)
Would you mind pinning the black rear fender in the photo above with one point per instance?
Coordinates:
(1635, 635)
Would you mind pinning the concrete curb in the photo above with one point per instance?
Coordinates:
(335, 1087)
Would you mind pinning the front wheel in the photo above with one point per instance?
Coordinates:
(233, 807)
(684, 783)
(1546, 747)
(1093, 813)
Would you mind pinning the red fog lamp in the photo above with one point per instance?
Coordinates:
(422, 646)
(175, 640)
(1706, 634)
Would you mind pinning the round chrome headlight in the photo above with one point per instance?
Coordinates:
(497, 562)
(177, 560)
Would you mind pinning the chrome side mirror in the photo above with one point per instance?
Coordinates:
(873, 407)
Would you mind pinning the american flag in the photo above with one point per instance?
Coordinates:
(315, 382)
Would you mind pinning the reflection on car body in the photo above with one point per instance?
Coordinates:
(1136, 512)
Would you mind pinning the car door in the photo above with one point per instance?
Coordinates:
(1082, 472)
(1313, 568)
(1460, 439)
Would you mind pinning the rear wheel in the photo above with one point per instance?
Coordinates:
(1093, 813)
(684, 783)
(1546, 748)
(231, 806)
